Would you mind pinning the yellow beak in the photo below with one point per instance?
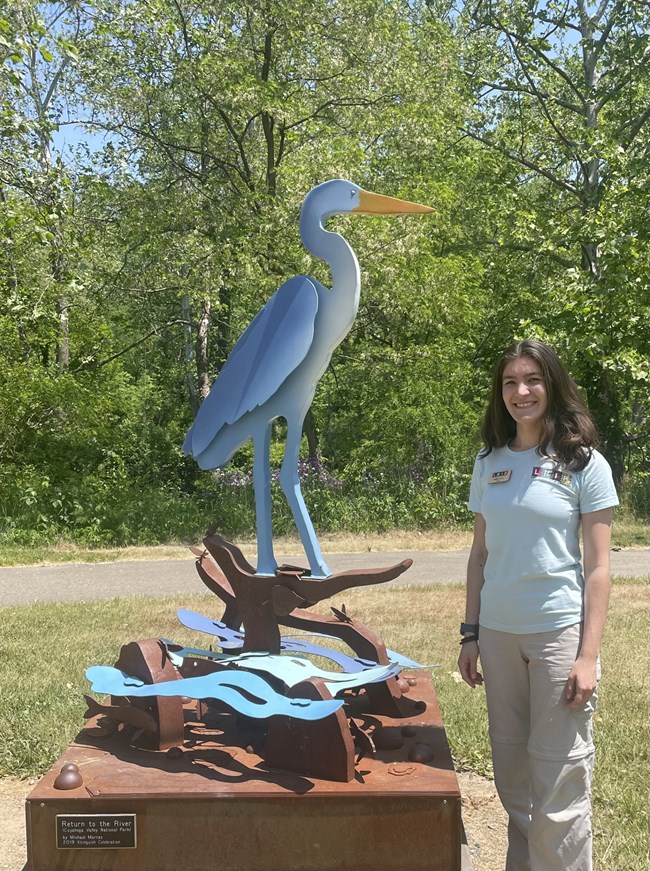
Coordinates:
(376, 204)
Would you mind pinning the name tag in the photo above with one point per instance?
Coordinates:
(553, 475)
(500, 477)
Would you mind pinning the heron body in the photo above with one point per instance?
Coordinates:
(275, 365)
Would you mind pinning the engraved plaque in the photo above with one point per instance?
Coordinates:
(95, 831)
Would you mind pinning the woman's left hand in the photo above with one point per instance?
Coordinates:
(581, 683)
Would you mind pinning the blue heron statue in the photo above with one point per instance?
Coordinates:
(273, 369)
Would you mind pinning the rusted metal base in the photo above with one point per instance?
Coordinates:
(215, 806)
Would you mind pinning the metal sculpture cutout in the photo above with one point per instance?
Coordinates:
(242, 691)
(207, 755)
(272, 372)
(273, 369)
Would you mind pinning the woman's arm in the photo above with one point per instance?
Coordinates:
(468, 659)
(596, 534)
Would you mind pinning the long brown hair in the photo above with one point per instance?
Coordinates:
(567, 423)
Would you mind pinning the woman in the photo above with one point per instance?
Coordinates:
(535, 615)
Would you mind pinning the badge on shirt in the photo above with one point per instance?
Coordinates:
(553, 475)
(500, 477)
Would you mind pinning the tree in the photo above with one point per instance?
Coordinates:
(230, 114)
(43, 47)
(562, 93)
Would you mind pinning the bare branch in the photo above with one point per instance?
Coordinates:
(328, 104)
(601, 11)
(519, 158)
(181, 15)
(559, 21)
(637, 125)
(520, 89)
(526, 247)
(604, 36)
(55, 81)
(154, 332)
(64, 64)
(556, 69)
(627, 440)
(543, 57)
(544, 107)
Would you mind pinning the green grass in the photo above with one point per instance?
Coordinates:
(627, 532)
(45, 648)
(629, 581)
(22, 555)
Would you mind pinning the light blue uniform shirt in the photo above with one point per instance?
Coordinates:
(533, 574)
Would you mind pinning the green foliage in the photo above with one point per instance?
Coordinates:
(114, 258)
(567, 122)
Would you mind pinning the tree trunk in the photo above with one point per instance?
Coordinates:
(309, 430)
(12, 280)
(603, 397)
(63, 344)
(203, 329)
(188, 354)
(591, 189)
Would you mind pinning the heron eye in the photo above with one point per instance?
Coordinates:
(353, 193)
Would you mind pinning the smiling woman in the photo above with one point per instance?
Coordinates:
(524, 396)
(534, 401)
(536, 484)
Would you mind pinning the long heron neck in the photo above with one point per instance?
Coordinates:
(335, 251)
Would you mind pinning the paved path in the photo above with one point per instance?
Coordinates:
(67, 582)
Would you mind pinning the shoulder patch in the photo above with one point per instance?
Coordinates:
(553, 475)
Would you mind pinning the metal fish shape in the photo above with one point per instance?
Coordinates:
(293, 670)
(246, 693)
(230, 639)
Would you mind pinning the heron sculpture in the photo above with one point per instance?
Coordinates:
(273, 369)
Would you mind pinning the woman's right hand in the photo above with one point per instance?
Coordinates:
(468, 664)
(468, 659)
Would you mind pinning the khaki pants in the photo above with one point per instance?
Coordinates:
(542, 750)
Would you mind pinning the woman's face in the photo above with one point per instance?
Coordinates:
(524, 391)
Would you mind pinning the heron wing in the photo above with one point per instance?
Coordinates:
(268, 351)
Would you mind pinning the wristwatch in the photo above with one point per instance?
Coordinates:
(469, 628)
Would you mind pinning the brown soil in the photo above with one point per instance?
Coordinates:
(485, 821)
(13, 854)
(483, 818)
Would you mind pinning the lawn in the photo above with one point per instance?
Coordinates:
(627, 531)
(45, 648)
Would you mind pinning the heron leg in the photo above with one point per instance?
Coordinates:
(266, 564)
(290, 483)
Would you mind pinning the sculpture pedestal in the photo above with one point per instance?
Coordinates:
(215, 806)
